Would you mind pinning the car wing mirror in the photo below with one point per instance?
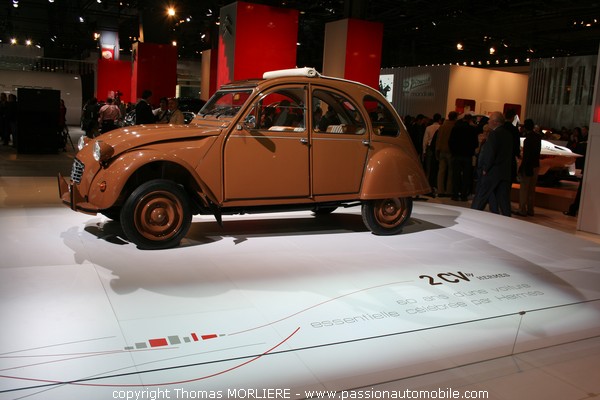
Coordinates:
(250, 122)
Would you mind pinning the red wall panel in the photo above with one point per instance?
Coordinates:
(363, 52)
(114, 76)
(155, 69)
(254, 39)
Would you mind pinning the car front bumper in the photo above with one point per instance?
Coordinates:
(72, 197)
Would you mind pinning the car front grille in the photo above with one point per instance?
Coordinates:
(77, 171)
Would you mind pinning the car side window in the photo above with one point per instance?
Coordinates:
(381, 117)
(282, 110)
(334, 113)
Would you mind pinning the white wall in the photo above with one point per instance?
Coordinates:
(491, 89)
(429, 90)
(334, 49)
(589, 206)
(69, 86)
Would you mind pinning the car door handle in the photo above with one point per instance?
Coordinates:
(366, 142)
(304, 140)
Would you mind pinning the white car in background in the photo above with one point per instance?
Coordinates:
(556, 162)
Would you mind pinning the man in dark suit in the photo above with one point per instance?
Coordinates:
(462, 143)
(494, 168)
(143, 110)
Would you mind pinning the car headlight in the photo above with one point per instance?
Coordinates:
(102, 151)
(83, 140)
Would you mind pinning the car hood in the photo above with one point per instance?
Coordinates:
(131, 137)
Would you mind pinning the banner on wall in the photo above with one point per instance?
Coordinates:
(386, 86)
(108, 53)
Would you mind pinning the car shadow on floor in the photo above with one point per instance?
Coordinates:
(206, 232)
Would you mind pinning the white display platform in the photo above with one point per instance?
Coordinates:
(279, 303)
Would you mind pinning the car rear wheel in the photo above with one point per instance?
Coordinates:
(156, 215)
(386, 216)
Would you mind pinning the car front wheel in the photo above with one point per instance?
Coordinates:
(156, 215)
(386, 216)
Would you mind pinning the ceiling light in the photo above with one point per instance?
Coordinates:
(174, 43)
(492, 50)
(171, 11)
(459, 46)
(81, 19)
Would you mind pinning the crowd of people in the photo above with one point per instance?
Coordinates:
(98, 118)
(466, 157)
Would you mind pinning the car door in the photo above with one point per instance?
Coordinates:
(266, 155)
(340, 143)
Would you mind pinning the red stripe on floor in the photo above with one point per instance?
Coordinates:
(158, 342)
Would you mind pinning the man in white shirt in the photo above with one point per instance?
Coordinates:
(108, 116)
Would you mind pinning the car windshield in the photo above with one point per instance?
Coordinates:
(226, 103)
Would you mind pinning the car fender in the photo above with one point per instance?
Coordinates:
(115, 176)
(391, 172)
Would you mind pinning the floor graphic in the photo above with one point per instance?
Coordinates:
(291, 311)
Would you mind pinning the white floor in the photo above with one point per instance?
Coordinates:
(286, 304)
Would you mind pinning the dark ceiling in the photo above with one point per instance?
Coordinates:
(416, 32)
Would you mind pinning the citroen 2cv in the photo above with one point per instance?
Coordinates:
(294, 140)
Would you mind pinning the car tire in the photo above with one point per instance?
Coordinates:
(157, 215)
(386, 216)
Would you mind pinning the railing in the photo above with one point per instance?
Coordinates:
(41, 64)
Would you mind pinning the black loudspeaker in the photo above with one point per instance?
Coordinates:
(37, 120)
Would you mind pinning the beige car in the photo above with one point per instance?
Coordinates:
(294, 140)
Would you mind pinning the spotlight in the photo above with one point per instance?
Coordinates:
(459, 46)
(492, 50)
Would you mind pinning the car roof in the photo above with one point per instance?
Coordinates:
(293, 75)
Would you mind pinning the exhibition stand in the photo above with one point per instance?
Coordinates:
(286, 302)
